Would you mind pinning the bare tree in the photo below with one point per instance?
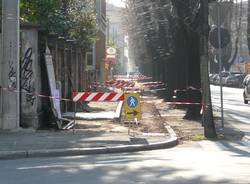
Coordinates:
(174, 38)
(207, 119)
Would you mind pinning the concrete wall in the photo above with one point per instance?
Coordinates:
(30, 80)
(9, 65)
(69, 66)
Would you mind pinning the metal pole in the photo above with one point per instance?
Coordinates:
(108, 29)
(18, 66)
(129, 126)
(75, 105)
(10, 64)
(220, 65)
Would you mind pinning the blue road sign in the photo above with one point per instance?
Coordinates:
(132, 102)
(241, 60)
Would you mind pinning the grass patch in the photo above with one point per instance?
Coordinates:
(198, 137)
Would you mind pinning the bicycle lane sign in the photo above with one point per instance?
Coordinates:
(132, 106)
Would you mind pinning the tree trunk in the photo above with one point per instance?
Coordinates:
(248, 26)
(207, 118)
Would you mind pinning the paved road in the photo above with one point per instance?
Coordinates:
(235, 110)
(199, 163)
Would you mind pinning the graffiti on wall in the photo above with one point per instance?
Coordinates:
(27, 84)
(26, 76)
(12, 76)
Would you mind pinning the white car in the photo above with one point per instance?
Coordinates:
(246, 85)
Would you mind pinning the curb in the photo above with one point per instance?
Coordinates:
(5, 155)
(169, 143)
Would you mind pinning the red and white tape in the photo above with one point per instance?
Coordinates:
(34, 94)
(180, 103)
(97, 97)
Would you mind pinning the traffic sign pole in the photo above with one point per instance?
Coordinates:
(132, 106)
(220, 64)
(132, 109)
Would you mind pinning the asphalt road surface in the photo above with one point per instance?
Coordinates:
(235, 110)
(202, 162)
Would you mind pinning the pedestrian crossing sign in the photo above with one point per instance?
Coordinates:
(132, 107)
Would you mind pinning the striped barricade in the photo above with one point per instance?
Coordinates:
(122, 84)
(139, 77)
(132, 89)
(116, 84)
(97, 97)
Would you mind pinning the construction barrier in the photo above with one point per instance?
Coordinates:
(116, 84)
(97, 97)
(132, 77)
(136, 89)
(154, 85)
(124, 84)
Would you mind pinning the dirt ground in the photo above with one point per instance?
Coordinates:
(151, 121)
(186, 130)
(107, 126)
(155, 116)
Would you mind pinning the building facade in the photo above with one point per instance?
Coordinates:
(116, 35)
(99, 48)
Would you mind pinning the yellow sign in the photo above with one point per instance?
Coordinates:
(132, 106)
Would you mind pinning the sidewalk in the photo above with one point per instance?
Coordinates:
(231, 132)
(89, 137)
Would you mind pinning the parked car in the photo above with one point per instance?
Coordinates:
(216, 79)
(224, 76)
(246, 85)
(211, 78)
(235, 80)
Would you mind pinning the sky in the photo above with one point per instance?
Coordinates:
(118, 3)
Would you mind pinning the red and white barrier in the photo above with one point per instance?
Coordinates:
(124, 84)
(132, 77)
(97, 97)
(132, 89)
(116, 84)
